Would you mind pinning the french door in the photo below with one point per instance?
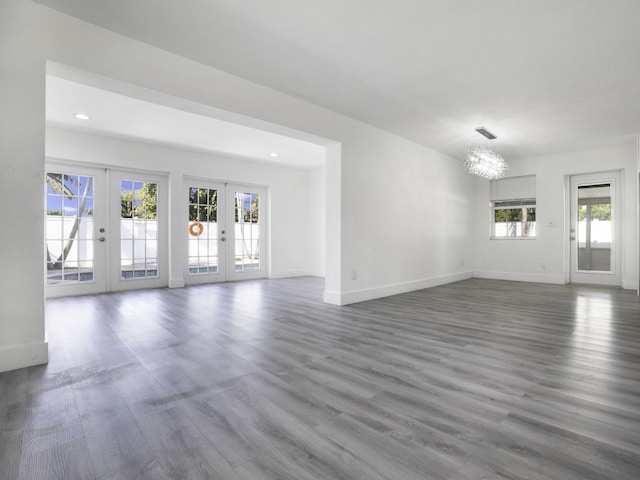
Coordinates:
(225, 229)
(75, 236)
(105, 230)
(595, 229)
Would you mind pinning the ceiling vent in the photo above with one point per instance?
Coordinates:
(485, 133)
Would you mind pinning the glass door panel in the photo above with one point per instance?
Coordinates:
(595, 228)
(140, 216)
(247, 239)
(247, 231)
(75, 256)
(138, 229)
(205, 232)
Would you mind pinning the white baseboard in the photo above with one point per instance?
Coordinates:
(176, 283)
(394, 289)
(21, 356)
(320, 272)
(288, 273)
(521, 277)
(332, 298)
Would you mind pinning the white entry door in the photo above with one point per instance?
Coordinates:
(105, 230)
(225, 229)
(595, 229)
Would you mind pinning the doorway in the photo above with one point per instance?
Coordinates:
(595, 228)
(225, 230)
(105, 230)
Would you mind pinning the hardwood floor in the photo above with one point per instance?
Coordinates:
(260, 380)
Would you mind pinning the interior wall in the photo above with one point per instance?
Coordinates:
(22, 334)
(373, 179)
(407, 217)
(543, 259)
(291, 190)
(638, 208)
(316, 221)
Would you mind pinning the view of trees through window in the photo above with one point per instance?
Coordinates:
(514, 221)
(598, 212)
(139, 200)
(138, 229)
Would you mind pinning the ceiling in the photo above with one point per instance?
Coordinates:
(126, 117)
(545, 76)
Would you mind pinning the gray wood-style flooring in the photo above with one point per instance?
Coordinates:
(260, 380)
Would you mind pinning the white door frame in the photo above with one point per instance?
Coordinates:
(573, 275)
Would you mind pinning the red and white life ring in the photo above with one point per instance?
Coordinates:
(196, 229)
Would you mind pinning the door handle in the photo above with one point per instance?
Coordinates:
(222, 239)
(101, 239)
(572, 237)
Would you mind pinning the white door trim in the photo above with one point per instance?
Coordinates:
(573, 274)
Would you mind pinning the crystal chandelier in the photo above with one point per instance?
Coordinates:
(484, 162)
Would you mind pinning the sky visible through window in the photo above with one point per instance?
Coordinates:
(64, 193)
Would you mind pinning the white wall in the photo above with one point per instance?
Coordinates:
(316, 216)
(407, 217)
(290, 191)
(370, 175)
(544, 259)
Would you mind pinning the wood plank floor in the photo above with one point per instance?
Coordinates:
(260, 380)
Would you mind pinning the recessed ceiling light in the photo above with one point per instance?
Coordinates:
(82, 116)
(273, 155)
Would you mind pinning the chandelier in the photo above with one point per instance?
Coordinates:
(484, 162)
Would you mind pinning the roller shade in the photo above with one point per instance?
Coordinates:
(514, 188)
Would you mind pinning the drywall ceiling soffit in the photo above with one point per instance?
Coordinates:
(545, 76)
(126, 117)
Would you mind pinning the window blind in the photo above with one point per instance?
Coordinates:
(514, 188)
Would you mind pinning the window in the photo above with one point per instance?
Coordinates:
(514, 219)
(513, 207)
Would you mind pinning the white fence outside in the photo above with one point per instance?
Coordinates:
(139, 239)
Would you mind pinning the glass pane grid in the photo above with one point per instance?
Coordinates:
(203, 231)
(247, 248)
(138, 229)
(69, 227)
(514, 222)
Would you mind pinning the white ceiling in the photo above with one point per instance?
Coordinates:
(546, 76)
(131, 118)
